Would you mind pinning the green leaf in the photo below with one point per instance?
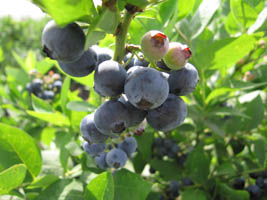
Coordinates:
(138, 163)
(261, 20)
(64, 189)
(128, 184)
(214, 127)
(219, 92)
(192, 194)
(194, 26)
(145, 143)
(224, 53)
(87, 80)
(230, 194)
(64, 93)
(19, 147)
(81, 106)
(12, 178)
(168, 169)
(198, 164)
(44, 181)
(139, 3)
(47, 135)
(231, 24)
(40, 105)
(260, 150)
(73, 148)
(100, 188)
(243, 13)
(166, 10)
(109, 21)
(65, 11)
(55, 118)
(228, 111)
(254, 109)
(45, 65)
(17, 75)
(1, 55)
(184, 8)
(30, 61)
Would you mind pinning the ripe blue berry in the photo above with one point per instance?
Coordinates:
(109, 78)
(83, 66)
(169, 115)
(146, 88)
(94, 149)
(101, 161)
(183, 81)
(116, 158)
(129, 145)
(111, 118)
(89, 131)
(63, 44)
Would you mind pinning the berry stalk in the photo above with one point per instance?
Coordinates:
(121, 35)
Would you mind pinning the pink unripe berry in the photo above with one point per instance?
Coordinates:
(154, 45)
(177, 55)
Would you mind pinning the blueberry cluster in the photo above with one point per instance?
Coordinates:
(135, 91)
(45, 87)
(95, 146)
(172, 191)
(164, 147)
(256, 190)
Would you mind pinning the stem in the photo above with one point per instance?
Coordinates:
(122, 31)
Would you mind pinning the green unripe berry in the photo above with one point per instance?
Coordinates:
(177, 55)
(154, 45)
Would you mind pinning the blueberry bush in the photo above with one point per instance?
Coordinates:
(139, 100)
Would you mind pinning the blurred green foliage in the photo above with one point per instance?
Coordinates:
(19, 37)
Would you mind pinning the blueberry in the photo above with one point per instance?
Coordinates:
(101, 161)
(89, 131)
(103, 54)
(141, 62)
(254, 191)
(116, 158)
(129, 146)
(152, 170)
(132, 69)
(264, 174)
(255, 175)
(158, 142)
(169, 115)
(85, 65)
(175, 149)
(94, 149)
(63, 44)
(154, 45)
(109, 78)
(111, 118)
(239, 183)
(174, 188)
(47, 94)
(146, 88)
(35, 87)
(57, 84)
(167, 143)
(260, 182)
(187, 181)
(136, 116)
(183, 81)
